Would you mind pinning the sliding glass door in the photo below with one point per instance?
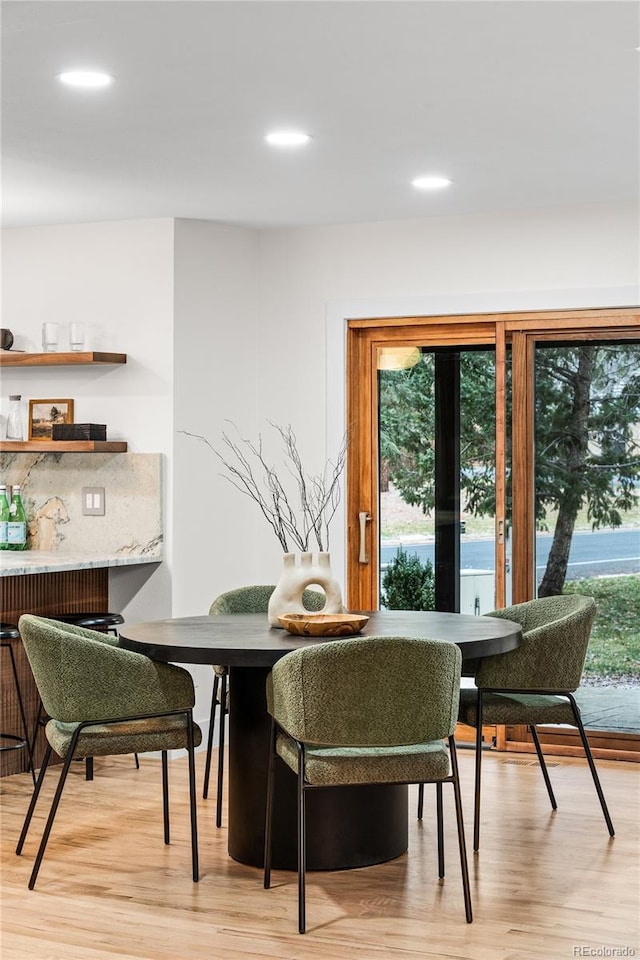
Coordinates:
(586, 454)
(577, 510)
(493, 459)
(426, 472)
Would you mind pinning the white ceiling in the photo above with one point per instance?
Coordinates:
(525, 105)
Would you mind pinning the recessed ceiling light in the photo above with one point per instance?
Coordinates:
(430, 183)
(287, 138)
(89, 79)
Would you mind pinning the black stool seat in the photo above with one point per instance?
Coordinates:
(14, 742)
(8, 631)
(93, 621)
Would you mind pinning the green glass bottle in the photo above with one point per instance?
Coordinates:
(4, 518)
(17, 525)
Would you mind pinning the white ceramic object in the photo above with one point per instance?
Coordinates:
(295, 578)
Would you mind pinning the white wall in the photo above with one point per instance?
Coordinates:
(311, 279)
(215, 375)
(243, 336)
(305, 269)
(117, 279)
(256, 333)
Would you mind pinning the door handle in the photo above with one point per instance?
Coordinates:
(364, 518)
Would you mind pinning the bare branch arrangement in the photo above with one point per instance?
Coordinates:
(318, 495)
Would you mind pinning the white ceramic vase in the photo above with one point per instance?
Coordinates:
(295, 578)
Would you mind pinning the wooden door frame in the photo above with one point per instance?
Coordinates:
(525, 334)
(522, 331)
(364, 338)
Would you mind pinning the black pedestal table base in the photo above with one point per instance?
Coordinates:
(346, 827)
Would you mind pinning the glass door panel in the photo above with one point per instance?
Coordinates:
(436, 419)
(587, 492)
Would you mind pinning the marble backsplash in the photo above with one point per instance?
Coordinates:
(51, 488)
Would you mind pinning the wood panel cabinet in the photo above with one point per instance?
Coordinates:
(44, 594)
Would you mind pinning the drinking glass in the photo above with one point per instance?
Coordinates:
(76, 336)
(49, 337)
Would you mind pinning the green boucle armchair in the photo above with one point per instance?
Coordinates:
(102, 701)
(361, 711)
(534, 683)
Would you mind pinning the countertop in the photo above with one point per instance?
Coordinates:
(20, 562)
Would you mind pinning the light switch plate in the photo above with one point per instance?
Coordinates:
(93, 501)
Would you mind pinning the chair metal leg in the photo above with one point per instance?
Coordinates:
(34, 799)
(212, 720)
(188, 714)
(461, 841)
(268, 823)
(223, 713)
(88, 766)
(137, 760)
(36, 726)
(590, 761)
(476, 800)
(23, 716)
(54, 808)
(440, 822)
(165, 796)
(302, 842)
(420, 800)
(192, 799)
(543, 766)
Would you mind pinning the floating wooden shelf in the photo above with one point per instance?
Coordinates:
(63, 446)
(12, 358)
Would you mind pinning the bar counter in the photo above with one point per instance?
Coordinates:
(46, 583)
(21, 562)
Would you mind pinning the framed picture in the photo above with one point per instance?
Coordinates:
(44, 413)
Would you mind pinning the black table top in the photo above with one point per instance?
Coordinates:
(248, 640)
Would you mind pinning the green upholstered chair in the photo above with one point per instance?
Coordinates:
(254, 599)
(103, 701)
(534, 683)
(104, 623)
(361, 711)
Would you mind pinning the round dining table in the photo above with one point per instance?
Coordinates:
(347, 826)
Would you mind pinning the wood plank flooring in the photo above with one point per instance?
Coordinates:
(544, 884)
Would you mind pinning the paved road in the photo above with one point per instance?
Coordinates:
(601, 553)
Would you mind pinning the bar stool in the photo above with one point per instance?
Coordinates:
(104, 623)
(9, 632)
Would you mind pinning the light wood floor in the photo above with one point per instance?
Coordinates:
(543, 884)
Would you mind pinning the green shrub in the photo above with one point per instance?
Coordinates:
(408, 583)
(614, 647)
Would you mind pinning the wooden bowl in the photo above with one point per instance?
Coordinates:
(323, 624)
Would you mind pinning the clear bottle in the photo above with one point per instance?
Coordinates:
(17, 525)
(15, 424)
(4, 518)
